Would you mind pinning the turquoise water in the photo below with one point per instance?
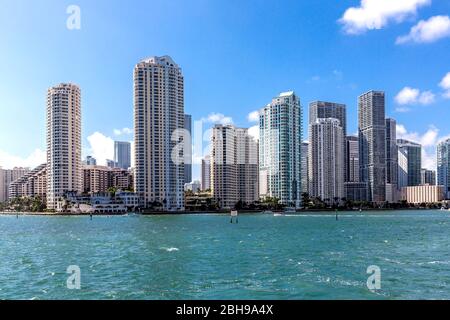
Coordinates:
(206, 257)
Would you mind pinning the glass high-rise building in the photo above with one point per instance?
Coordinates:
(391, 161)
(413, 153)
(280, 149)
(159, 127)
(64, 171)
(372, 144)
(122, 154)
(443, 166)
(352, 158)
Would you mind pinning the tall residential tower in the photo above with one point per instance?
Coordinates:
(280, 149)
(64, 171)
(159, 128)
(326, 160)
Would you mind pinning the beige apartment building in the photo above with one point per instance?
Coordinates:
(100, 178)
(159, 128)
(7, 176)
(63, 142)
(234, 166)
(423, 194)
(32, 184)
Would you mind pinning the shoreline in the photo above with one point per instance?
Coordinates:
(224, 213)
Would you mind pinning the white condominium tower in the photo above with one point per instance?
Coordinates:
(372, 144)
(280, 149)
(234, 166)
(159, 127)
(326, 160)
(63, 142)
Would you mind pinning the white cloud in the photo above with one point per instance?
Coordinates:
(254, 132)
(427, 31)
(408, 96)
(9, 161)
(428, 140)
(218, 118)
(124, 131)
(376, 14)
(445, 84)
(101, 147)
(253, 116)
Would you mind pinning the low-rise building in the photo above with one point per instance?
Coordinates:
(423, 194)
(100, 179)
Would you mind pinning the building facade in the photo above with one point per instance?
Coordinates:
(372, 144)
(90, 161)
(413, 153)
(428, 177)
(326, 160)
(122, 154)
(352, 158)
(64, 172)
(234, 166)
(280, 149)
(305, 166)
(159, 128)
(443, 166)
(423, 194)
(32, 184)
(206, 173)
(392, 190)
(188, 149)
(97, 179)
(7, 176)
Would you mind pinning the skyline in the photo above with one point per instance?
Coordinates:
(105, 77)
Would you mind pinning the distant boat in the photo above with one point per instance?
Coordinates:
(278, 214)
(234, 213)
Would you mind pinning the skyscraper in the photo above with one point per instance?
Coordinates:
(391, 161)
(64, 172)
(159, 127)
(352, 158)
(324, 110)
(443, 166)
(326, 160)
(234, 166)
(188, 149)
(304, 166)
(280, 149)
(372, 144)
(413, 153)
(206, 173)
(122, 154)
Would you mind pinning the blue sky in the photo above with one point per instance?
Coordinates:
(235, 55)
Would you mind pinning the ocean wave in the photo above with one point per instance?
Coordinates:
(172, 249)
